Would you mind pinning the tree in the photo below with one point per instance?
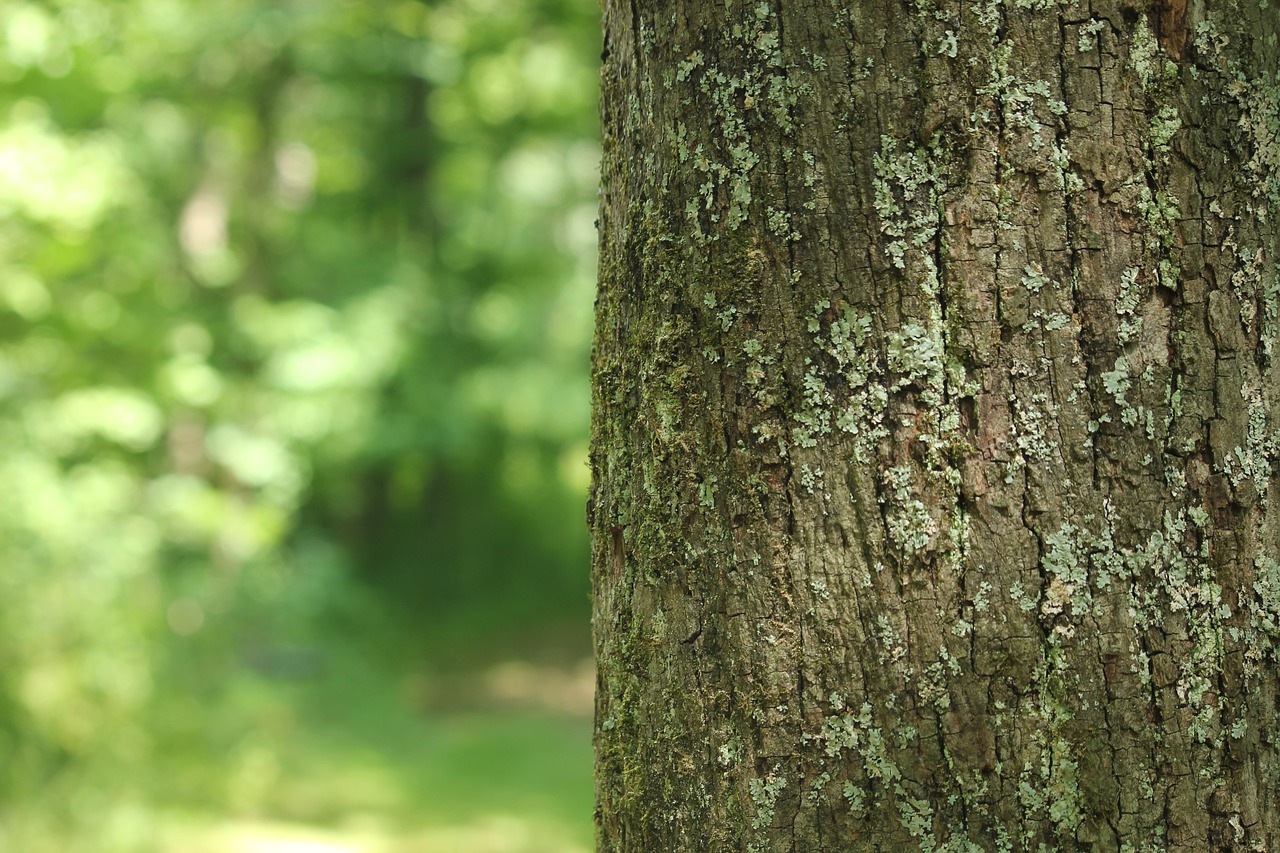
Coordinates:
(935, 426)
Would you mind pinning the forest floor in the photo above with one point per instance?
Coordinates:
(492, 761)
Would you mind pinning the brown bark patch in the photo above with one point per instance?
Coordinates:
(1172, 28)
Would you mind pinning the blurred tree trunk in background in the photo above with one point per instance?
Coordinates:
(935, 425)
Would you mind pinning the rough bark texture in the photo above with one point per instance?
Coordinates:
(935, 426)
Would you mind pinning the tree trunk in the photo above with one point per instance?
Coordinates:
(935, 425)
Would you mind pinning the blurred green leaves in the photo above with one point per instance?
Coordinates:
(294, 315)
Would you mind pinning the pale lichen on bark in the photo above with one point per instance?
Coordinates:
(935, 427)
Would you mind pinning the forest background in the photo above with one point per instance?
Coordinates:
(295, 308)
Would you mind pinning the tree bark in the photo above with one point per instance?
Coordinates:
(935, 425)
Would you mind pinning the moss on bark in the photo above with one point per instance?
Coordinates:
(934, 427)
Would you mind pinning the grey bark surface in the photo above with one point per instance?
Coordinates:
(935, 425)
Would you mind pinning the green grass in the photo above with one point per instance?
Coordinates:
(355, 756)
(351, 759)
(492, 782)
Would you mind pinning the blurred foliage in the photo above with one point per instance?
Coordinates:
(294, 320)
